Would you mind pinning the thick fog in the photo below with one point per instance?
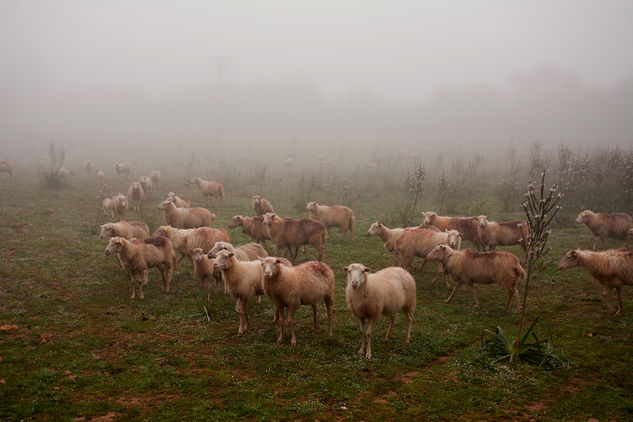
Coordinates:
(249, 75)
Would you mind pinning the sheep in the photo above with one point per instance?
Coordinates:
(472, 267)
(7, 167)
(88, 167)
(289, 233)
(64, 175)
(612, 268)
(208, 189)
(467, 226)
(116, 205)
(290, 287)
(185, 240)
(180, 201)
(146, 183)
(125, 229)
(261, 205)
(493, 233)
(136, 193)
(248, 252)
(603, 225)
(385, 292)
(138, 256)
(100, 177)
(186, 218)
(253, 227)
(122, 169)
(203, 270)
(243, 280)
(333, 216)
(419, 241)
(387, 235)
(155, 176)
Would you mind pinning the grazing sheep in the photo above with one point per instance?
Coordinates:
(155, 176)
(493, 233)
(125, 229)
(186, 218)
(333, 216)
(122, 169)
(289, 233)
(147, 185)
(253, 227)
(291, 287)
(243, 280)
(64, 175)
(208, 189)
(419, 241)
(603, 225)
(472, 267)
(180, 201)
(100, 177)
(7, 167)
(136, 193)
(387, 235)
(88, 167)
(203, 270)
(248, 252)
(116, 205)
(612, 268)
(185, 240)
(467, 226)
(261, 205)
(385, 292)
(139, 256)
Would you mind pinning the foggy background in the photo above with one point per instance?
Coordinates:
(168, 78)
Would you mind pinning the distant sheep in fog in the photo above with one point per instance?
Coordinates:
(333, 216)
(7, 167)
(261, 205)
(208, 189)
(603, 225)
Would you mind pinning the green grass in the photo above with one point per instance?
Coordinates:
(83, 349)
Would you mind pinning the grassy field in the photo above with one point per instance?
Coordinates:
(82, 350)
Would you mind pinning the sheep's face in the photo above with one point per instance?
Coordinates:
(429, 216)
(438, 253)
(374, 229)
(631, 232)
(270, 266)
(106, 231)
(584, 217)
(312, 206)
(114, 246)
(217, 248)
(162, 231)
(164, 205)
(570, 260)
(222, 260)
(197, 254)
(269, 217)
(453, 238)
(356, 275)
(482, 220)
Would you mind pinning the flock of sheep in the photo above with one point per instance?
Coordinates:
(247, 271)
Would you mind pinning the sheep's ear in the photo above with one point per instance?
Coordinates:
(190, 251)
(574, 254)
(346, 269)
(260, 257)
(446, 230)
(230, 254)
(278, 261)
(365, 269)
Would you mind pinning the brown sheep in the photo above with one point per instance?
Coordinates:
(603, 225)
(125, 229)
(612, 268)
(467, 226)
(185, 240)
(186, 218)
(493, 233)
(208, 189)
(203, 270)
(333, 216)
(155, 176)
(253, 227)
(261, 205)
(470, 267)
(291, 287)
(147, 185)
(7, 167)
(122, 169)
(138, 256)
(248, 252)
(289, 233)
(180, 201)
(116, 205)
(88, 167)
(100, 177)
(136, 193)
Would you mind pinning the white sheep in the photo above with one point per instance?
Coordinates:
(180, 201)
(186, 218)
(203, 270)
(333, 216)
(248, 252)
(387, 235)
(185, 240)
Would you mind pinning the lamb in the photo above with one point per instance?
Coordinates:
(253, 227)
(125, 229)
(185, 240)
(147, 185)
(291, 287)
(7, 167)
(155, 176)
(493, 233)
(203, 270)
(261, 205)
(248, 252)
(139, 256)
(116, 205)
(612, 268)
(289, 233)
(419, 241)
(472, 267)
(122, 169)
(603, 225)
(385, 292)
(180, 201)
(208, 189)
(88, 167)
(243, 280)
(467, 226)
(137, 194)
(186, 218)
(100, 177)
(333, 216)
(387, 235)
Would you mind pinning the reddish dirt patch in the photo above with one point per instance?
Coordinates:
(408, 377)
(146, 401)
(110, 416)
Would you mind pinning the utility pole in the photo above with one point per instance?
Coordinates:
(220, 65)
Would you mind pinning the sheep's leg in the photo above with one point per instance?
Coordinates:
(595, 239)
(605, 297)
(515, 291)
(140, 284)
(438, 273)
(238, 306)
(510, 294)
(259, 299)
(321, 251)
(329, 304)
(423, 264)
(406, 262)
(276, 251)
(457, 286)
(361, 322)
(618, 290)
(352, 232)
(291, 322)
(180, 260)
(133, 287)
(407, 338)
(391, 320)
(370, 324)
(296, 252)
(315, 327)
(169, 273)
(242, 327)
(474, 290)
(282, 323)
